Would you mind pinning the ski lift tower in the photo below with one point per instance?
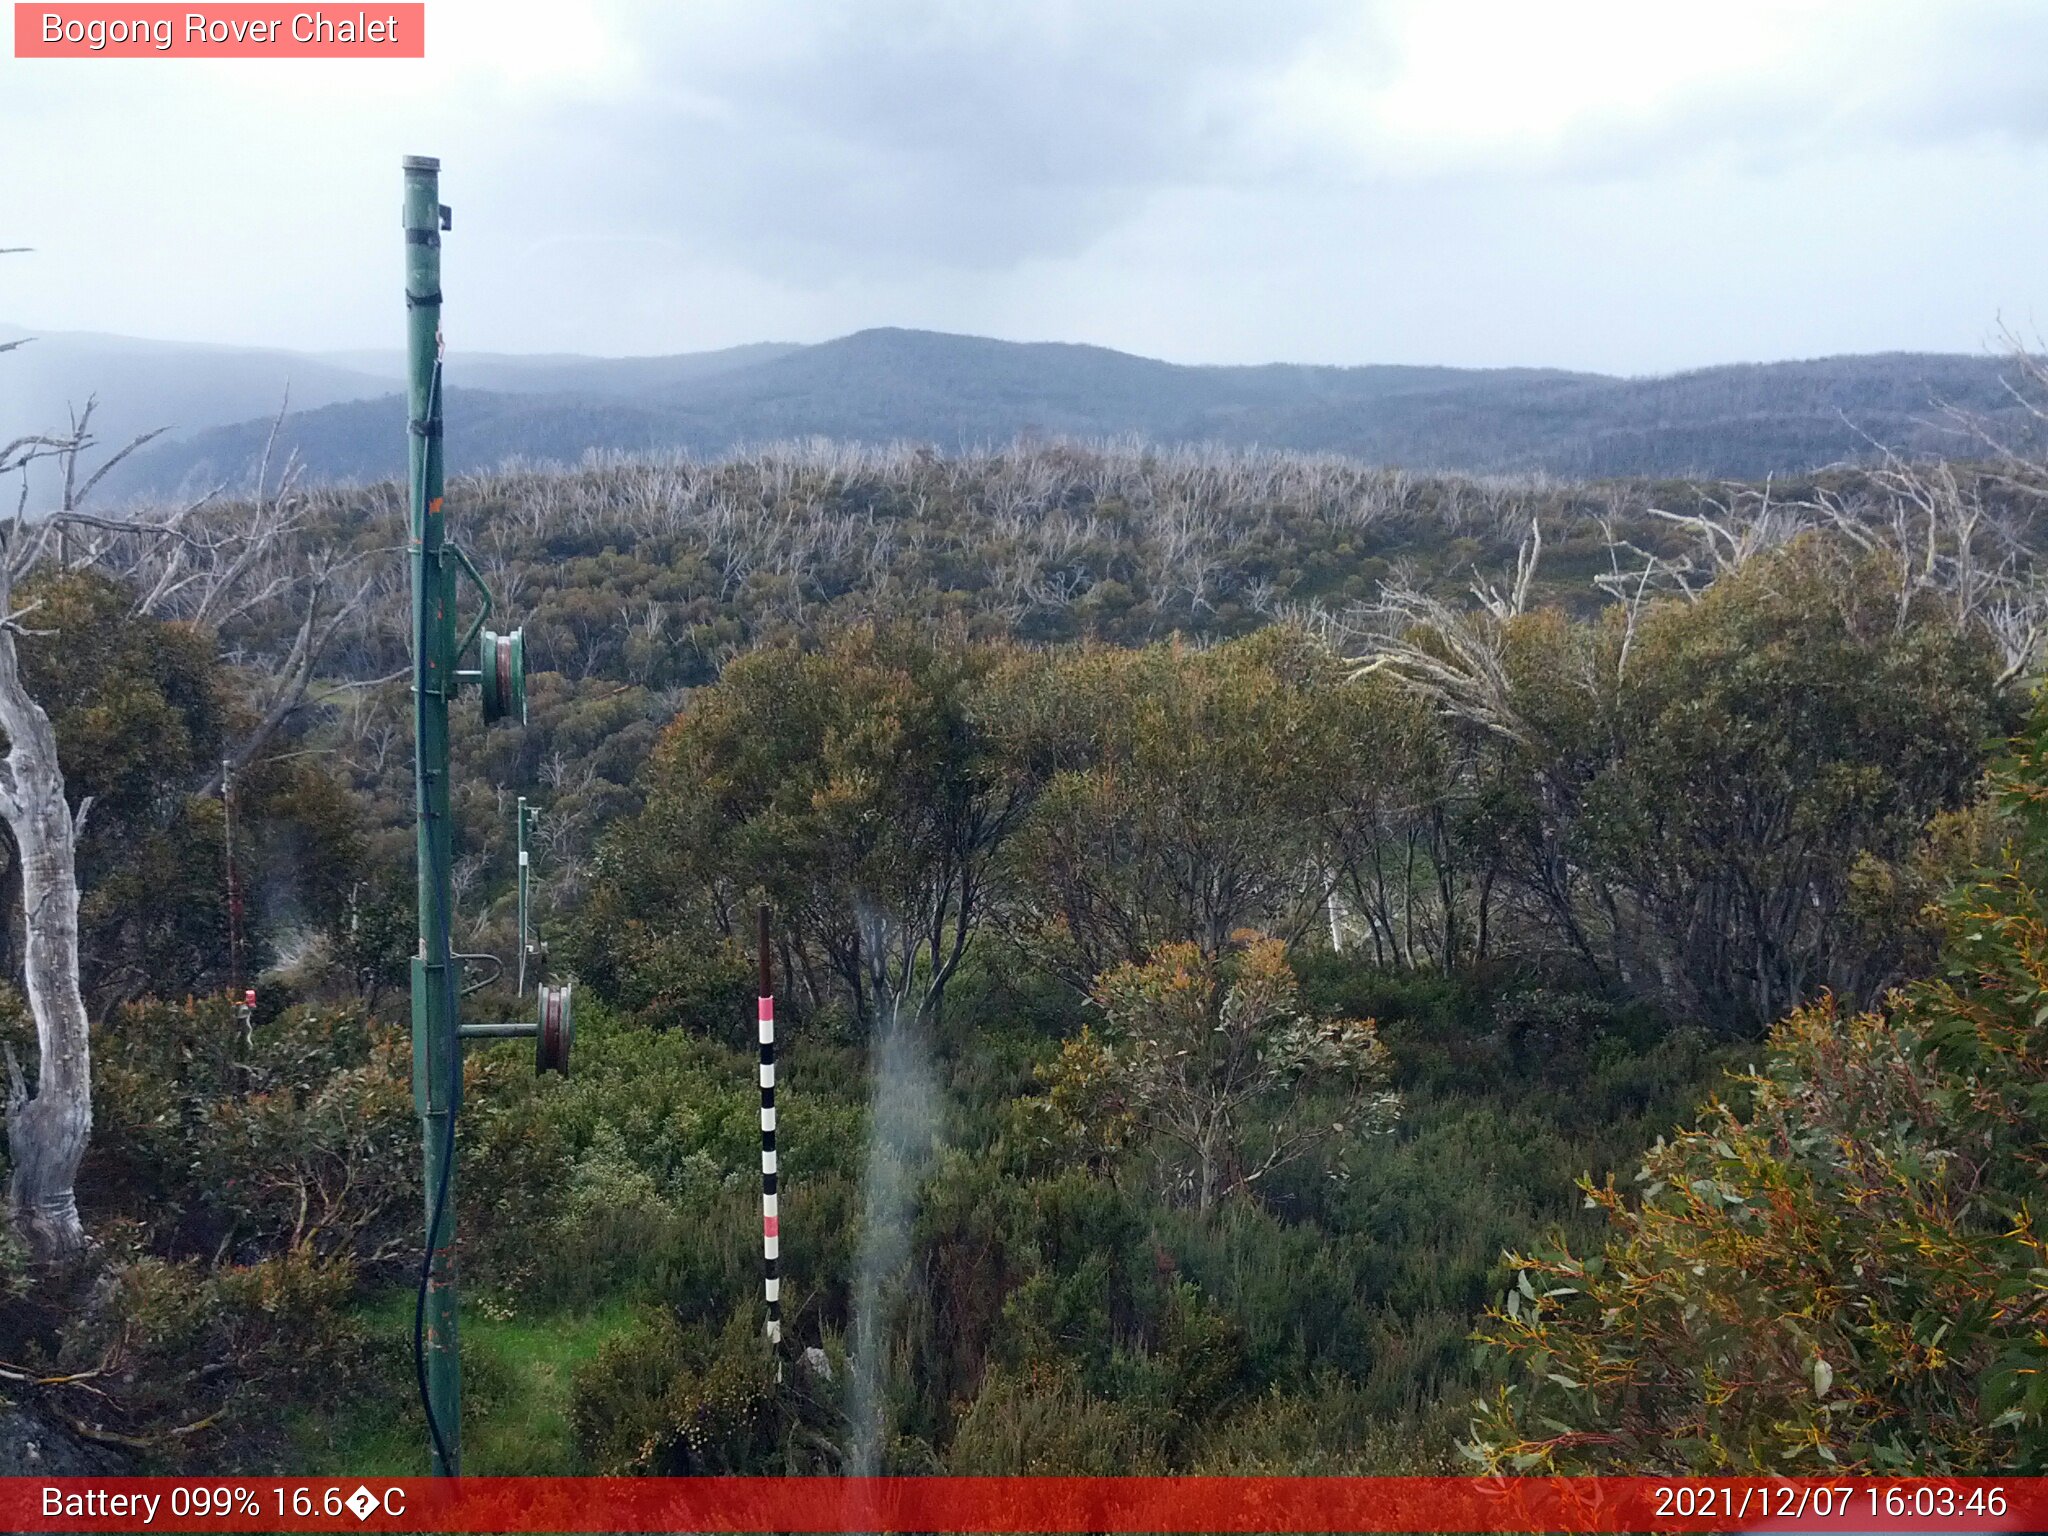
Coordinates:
(438, 674)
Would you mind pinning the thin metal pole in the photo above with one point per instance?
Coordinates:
(524, 912)
(243, 1001)
(437, 1052)
(227, 819)
(771, 1221)
(518, 1029)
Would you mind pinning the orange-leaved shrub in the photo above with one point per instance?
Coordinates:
(1844, 1272)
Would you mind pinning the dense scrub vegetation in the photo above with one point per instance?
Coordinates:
(1846, 1270)
(1220, 913)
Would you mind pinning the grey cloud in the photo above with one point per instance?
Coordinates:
(1129, 172)
(967, 137)
(1889, 76)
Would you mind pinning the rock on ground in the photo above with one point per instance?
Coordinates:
(31, 1446)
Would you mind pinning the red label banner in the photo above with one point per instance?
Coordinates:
(227, 31)
(1018, 1504)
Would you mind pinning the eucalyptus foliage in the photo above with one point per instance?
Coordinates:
(1839, 1267)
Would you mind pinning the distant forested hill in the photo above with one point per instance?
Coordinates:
(957, 392)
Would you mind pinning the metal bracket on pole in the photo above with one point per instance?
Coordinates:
(552, 1031)
(483, 592)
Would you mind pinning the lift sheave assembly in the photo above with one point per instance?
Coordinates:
(499, 676)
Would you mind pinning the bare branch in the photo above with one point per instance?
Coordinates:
(1455, 659)
(101, 473)
(33, 447)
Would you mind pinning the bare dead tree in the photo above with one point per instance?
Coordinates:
(1946, 544)
(1455, 658)
(1506, 605)
(1929, 523)
(234, 562)
(1635, 578)
(49, 1126)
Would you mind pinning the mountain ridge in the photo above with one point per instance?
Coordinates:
(893, 384)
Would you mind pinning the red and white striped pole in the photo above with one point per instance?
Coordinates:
(771, 1225)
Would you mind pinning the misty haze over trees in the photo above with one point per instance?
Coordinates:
(965, 392)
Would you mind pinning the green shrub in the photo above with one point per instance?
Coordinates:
(666, 977)
(1843, 1274)
(248, 1142)
(638, 1177)
(181, 1360)
(672, 1399)
(1329, 1428)
(1040, 1420)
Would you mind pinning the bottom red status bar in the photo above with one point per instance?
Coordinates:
(1078, 1504)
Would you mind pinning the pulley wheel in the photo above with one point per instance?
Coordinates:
(502, 661)
(557, 1031)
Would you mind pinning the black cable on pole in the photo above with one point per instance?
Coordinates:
(438, 1212)
(419, 1310)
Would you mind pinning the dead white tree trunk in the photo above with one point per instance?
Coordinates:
(50, 1124)
(47, 1129)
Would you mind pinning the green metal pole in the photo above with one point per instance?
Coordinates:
(437, 1050)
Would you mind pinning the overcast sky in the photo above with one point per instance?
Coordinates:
(1633, 187)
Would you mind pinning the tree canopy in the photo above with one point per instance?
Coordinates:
(1838, 1268)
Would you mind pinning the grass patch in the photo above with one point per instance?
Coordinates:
(517, 1373)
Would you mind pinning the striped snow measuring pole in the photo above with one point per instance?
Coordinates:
(771, 1224)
